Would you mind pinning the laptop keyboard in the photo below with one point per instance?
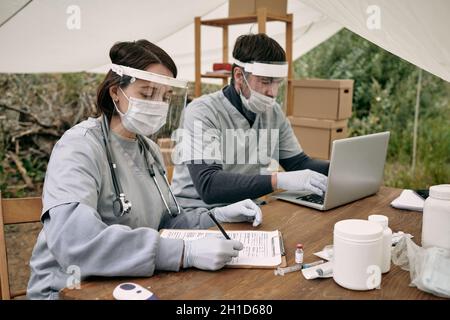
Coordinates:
(314, 198)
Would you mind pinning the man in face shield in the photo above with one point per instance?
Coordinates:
(231, 136)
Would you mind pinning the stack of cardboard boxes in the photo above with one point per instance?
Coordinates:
(320, 113)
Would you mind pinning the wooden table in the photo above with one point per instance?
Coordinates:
(298, 225)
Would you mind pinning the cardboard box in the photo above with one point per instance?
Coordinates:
(322, 99)
(165, 143)
(239, 8)
(167, 156)
(316, 136)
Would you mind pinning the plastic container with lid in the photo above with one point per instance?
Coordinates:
(387, 240)
(436, 218)
(357, 254)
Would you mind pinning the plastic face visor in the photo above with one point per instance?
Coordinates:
(266, 77)
(150, 86)
(265, 69)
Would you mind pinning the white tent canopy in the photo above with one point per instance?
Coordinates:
(415, 30)
(36, 38)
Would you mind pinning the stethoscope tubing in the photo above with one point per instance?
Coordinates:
(117, 187)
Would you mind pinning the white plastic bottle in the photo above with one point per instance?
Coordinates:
(299, 254)
(387, 240)
(436, 218)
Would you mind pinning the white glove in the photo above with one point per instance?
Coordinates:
(302, 180)
(210, 253)
(245, 210)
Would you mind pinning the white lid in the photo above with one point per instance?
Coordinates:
(382, 220)
(358, 230)
(441, 191)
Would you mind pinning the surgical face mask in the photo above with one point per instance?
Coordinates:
(257, 103)
(143, 117)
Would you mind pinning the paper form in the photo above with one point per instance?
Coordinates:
(261, 248)
(408, 200)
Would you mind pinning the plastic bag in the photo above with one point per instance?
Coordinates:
(429, 268)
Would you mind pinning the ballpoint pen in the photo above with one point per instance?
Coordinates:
(219, 226)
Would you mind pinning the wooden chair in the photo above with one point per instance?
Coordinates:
(14, 211)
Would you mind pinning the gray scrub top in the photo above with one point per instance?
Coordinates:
(80, 232)
(216, 114)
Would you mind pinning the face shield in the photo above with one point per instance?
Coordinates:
(264, 79)
(152, 98)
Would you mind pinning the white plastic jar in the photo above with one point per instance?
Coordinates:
(436, 218)
(357, 254)
(383, 221)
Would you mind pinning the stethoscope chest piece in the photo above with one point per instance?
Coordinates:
(121, 206)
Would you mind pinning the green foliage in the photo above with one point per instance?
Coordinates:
(384, 98)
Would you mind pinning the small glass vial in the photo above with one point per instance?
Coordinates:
(299, 254)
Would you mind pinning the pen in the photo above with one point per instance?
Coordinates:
(312, 264)
(218, 225)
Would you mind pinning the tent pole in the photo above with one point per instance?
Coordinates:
(416, 122)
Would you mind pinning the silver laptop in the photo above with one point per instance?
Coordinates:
(356, 171)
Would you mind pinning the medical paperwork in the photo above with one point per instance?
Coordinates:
(261, 248)
(408, 200)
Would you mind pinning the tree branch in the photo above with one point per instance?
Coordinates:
(35, 118)
(36, 130)
(21, 168)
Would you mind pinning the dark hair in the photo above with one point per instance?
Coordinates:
(134, 54)
(257, 47)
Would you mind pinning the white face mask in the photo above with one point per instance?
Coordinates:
(143, 117)
(257, 103)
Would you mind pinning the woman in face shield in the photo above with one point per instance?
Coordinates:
(246, 109)
(106, 194)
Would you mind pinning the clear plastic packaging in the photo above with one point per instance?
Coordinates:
(429, 268)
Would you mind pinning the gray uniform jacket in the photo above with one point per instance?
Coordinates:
(213, 118)
(81, 236)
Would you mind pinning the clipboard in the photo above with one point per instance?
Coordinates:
(281, 250)
(277, 246)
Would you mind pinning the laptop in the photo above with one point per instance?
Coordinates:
(356, 171)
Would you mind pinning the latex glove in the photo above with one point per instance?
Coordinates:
(245, 210)
(302, 180)
(210, 253)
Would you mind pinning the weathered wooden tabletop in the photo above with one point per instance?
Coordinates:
(298, 225)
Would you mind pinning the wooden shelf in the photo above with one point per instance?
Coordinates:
(261, 18)
(244, 19)
(216, 75)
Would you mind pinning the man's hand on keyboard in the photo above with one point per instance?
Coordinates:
(302, 180)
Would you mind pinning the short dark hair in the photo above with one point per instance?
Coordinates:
(257, 47)
(134, 54)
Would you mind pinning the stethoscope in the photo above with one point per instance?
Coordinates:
(121, 205)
